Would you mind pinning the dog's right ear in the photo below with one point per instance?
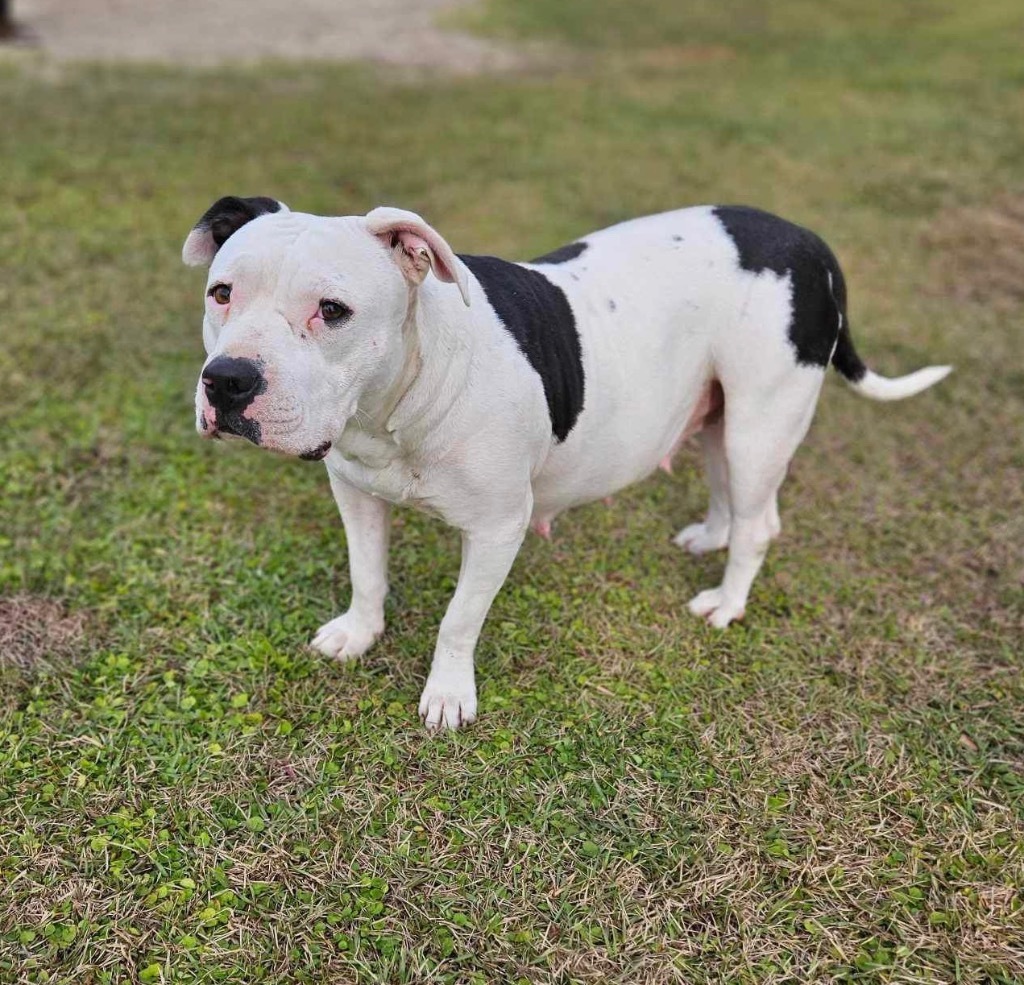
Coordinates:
(417, 248)
(221, 221)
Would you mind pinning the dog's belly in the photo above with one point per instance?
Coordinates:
(605, 462)
(650, 297)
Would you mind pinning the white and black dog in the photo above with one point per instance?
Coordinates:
(495, 395)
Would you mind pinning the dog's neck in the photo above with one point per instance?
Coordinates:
(376, 407)
(408, 410)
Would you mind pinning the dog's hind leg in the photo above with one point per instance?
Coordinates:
(762, 432)
(713, 533)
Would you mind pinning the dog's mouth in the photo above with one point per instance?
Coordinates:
(317, 454)
(223, 427)
(234, 427)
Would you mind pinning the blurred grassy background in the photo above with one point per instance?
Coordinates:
(831, 792)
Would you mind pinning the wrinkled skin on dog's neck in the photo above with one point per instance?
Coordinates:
(409, 422)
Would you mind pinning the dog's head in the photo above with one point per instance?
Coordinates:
(304, 316)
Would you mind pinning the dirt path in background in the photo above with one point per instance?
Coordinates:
(216, 32)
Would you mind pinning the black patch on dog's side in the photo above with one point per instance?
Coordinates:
(227, 215)
(766, 242)
(540, 319)
(563, 254)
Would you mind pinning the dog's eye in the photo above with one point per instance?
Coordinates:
(334, 311)
(221, 293)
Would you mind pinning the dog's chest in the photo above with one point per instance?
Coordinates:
(376, 465)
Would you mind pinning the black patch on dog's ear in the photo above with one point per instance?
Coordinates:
(563, 254)
(538, 316)
(766, 242)
(227, 215)
(220, 222)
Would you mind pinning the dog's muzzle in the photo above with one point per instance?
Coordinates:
(230, 386)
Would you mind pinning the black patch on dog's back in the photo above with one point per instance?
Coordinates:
(539, 318)
(766, 242)
(563, 254)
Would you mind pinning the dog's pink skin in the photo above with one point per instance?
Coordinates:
(220, 310)
(710, 405)
(258, 404)
(542, 528)
(209, 417)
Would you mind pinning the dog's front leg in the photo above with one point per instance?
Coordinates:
(367, 530)
(449, 698)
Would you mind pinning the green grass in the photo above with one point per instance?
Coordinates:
(833, 791)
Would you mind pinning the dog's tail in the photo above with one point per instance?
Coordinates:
(852, 369)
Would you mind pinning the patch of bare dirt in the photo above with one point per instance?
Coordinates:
(207, 33)
(979, 252)
(35, 630)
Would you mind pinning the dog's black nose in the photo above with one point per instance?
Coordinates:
(231, 384)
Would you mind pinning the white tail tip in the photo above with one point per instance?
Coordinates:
(881, 388)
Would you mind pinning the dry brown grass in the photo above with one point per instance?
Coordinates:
(978, 251)
(35, 630)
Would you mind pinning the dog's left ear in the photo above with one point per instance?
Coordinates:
(220, 222)
(417, 248)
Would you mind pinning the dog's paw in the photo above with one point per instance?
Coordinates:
(706, 602)
(448, 702)
(698, 539)
(726, 614)
(718, 610)
(346, 637)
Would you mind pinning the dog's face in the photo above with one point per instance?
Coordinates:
(304, 317)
